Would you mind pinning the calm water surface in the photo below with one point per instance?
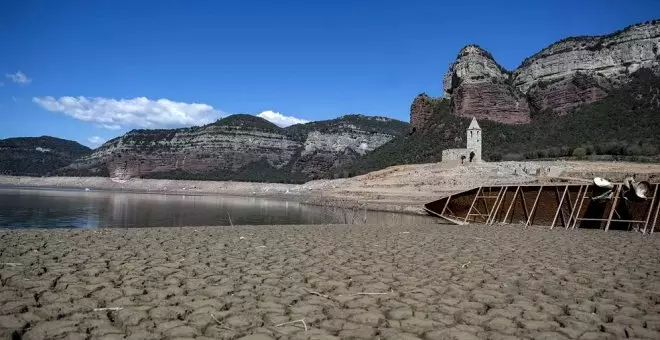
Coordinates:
(39, 208)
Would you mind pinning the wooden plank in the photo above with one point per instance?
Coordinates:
(473, 201)
(579, 208)
(446, 204)
(452, 220)
(513, 202)
(648, 216)
(573, 207)
(570, 202)
(498, 204)
(655, 219)
(616, 200)
(561, 201)
(536, 201)
(614, 220)
(522, 194)
(562, 215)
(490, 211)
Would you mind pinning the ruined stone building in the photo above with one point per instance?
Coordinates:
(454, 156)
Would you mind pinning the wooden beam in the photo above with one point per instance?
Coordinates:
(616, 200)
(561, 201)
(615, 220)
(579, 208)
(472, 205)
(573, 207)
(536, 201)
(498, 204)
(561, 207)
(522, 194)
(446, 204)
(648, 215)
(568, 197)
(655, 219)
(492, 209)
(513, 202)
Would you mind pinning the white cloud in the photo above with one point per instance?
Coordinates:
(138, 112)
(13, 98)
(110, 126)
(96, 140)
(280, 119)
(19, 78)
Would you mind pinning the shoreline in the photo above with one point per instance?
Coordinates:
(401, 188)
(300, 193)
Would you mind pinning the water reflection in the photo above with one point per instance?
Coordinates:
(25, 208)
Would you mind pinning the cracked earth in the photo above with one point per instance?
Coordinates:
(344, 282)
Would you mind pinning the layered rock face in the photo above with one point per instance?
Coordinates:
(223, 148)
(612, 56)
(480, 88)
(231, 145)
(557, 79)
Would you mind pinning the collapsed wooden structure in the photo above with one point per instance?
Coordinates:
(553, 205)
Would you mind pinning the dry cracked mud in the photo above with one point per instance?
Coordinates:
(345, 282)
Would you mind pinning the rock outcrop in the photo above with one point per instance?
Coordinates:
(559, 78)
(421, 112)
(239, 144)
(481, 88)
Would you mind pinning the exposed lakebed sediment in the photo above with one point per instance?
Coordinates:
(344, 281)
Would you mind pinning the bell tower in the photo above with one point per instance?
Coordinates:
(474, 139)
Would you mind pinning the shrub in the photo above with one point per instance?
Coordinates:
(579, 152)
(512, 157)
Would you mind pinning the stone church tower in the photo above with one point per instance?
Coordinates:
(474, 139)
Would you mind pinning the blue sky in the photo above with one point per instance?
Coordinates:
(100, 68)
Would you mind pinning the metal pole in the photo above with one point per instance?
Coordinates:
(513, 202)
(648, 216)
(616, 200)
(473, 201)
(561, 201)
(536, 201)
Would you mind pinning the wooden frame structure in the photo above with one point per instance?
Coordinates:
(554, 205)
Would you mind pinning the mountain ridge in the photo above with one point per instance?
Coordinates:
(38, 156)
(555, 80)
(240, 147)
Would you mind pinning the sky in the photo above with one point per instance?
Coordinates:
(92, 70)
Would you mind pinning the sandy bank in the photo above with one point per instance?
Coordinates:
(403, 188)
(357, 282)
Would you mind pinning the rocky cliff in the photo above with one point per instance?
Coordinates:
(558, 79)
(481, 88)
(240, 147)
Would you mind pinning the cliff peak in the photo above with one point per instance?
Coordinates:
(559, 78)
(474, 49)
(246, 121)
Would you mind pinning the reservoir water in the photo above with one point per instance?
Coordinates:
(53, 208)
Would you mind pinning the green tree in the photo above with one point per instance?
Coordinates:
(579, 152)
